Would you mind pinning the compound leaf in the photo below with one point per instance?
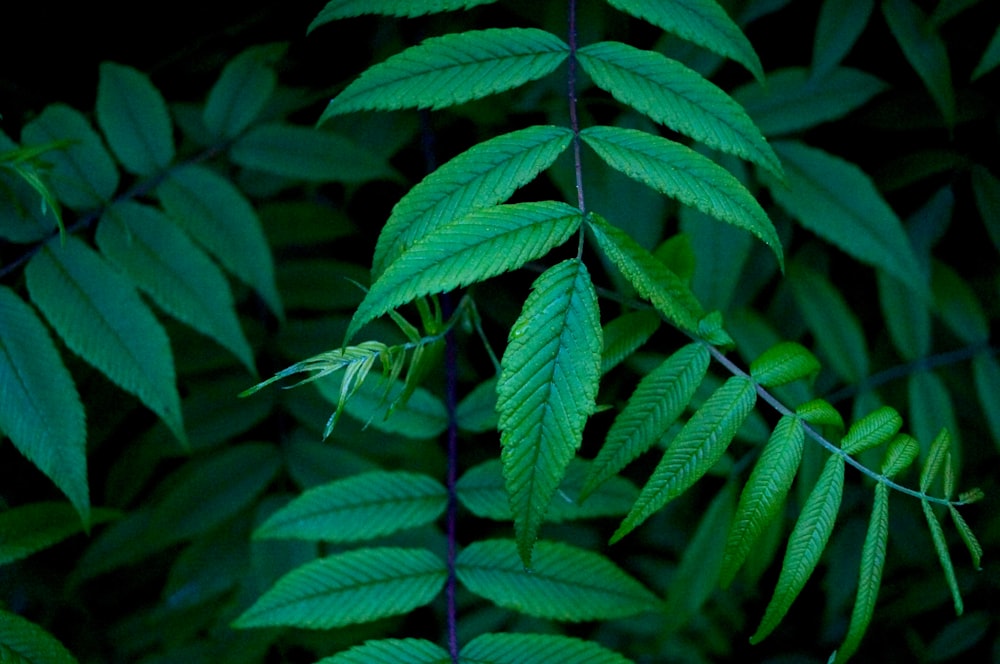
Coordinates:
(476, 246)
(696, 448)
(133, 116)
(338, 9)
(548, 383)
(805, 544)
(563, 583)
(99, 315)
(243, 88)
(24, 642)
(40, 409)
(483, 175)
(348, 588)
(36, 526)
(452, 69)
(702, 22)
(536, 649)
(359, 507)
(679, 98)
(784, 363)
(655, 405)
(391, 651)
(680, 172)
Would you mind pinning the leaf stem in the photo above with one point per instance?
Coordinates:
(451, 404)
(574, 120)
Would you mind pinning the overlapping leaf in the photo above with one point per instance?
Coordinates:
(651, 410)
(99, 315)
(484, 175)
(625, 335)
(696, 448)
(133, 116)
(564, 582)
(476, 246)
(24, 642)
(453, 69)
(338, 9)
(421, 415)
(363, 506)
(548, 383)
(243, 88)
(784, 363)
(477, 412)
(702, 22)
(512, 648)
(680, 172)
(392, 651)
(36, 526)
(348, 588)
(677, 97)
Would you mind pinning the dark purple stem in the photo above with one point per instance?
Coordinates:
(573, 119)
(450, 399)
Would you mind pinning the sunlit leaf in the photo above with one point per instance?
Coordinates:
(784, 363)
(872, 430)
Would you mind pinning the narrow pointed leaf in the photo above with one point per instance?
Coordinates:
(941, 548)
(221, 219)
(862, 224)
(677, 97)
(654, 406)
(83, 175)
(421, 416)
(925, 50)
(805, 544)
(931, 408)
(243, 88)
(784, 363)
(349, 588)
(702, 22)
(990, 58)
(479, 245)
(37, 526)
(24, 642)
(536, 649)
(359, 507)
(548, 382)
(392, 651)
(452, 69)
(101, 318)
(563, 583)
(162, 261)
(968, 537)
(764, 494)
(133, 116)
(625, 335)
(986, 372)
(840, 24)
(902, 451)
(40, 409)
(304, 153)
(872, 430)
(680, 172)
(652, 279)
(486, 174)
(935, 460)
(338, 9)
(695, 449)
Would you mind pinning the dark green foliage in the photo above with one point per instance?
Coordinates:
(758, 265)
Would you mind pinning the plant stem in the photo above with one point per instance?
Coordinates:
(450, 398)
(574, 120)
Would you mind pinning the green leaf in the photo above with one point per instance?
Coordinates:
(908, 319)
(101, 318)
(652, 279)
(162, 261)
(477, 412)
(304, 153)
(482, 176)
(37, 526)
(40, 409)
(935, 460)
(338, 9)
(625, 335)
(83, 175)
(862, 224)
(968, 537)
(872, 430)
(986, 188)
(986, 373)
(702, 22)
(955, 302)
(764, 494)
(133, 116)
(991, 57)
(536, 649)
(391, 651)
(548, 383)
(820, 413)
(482, 490)
(695, 449)
(243, 88)
(677, 97)
(474, 247)
(805, 544)
(349, 588)
(925, 50)
(563, 583)
(902, 452)
(654, 406)
(869, 575)
(221, 219)
(837, 331)
(680, 172)
(941, 548)
(421, 416)
(838, 27)
(452, 69)
(784, 363)
(930, 404)
(24, 642)
(359, 507)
